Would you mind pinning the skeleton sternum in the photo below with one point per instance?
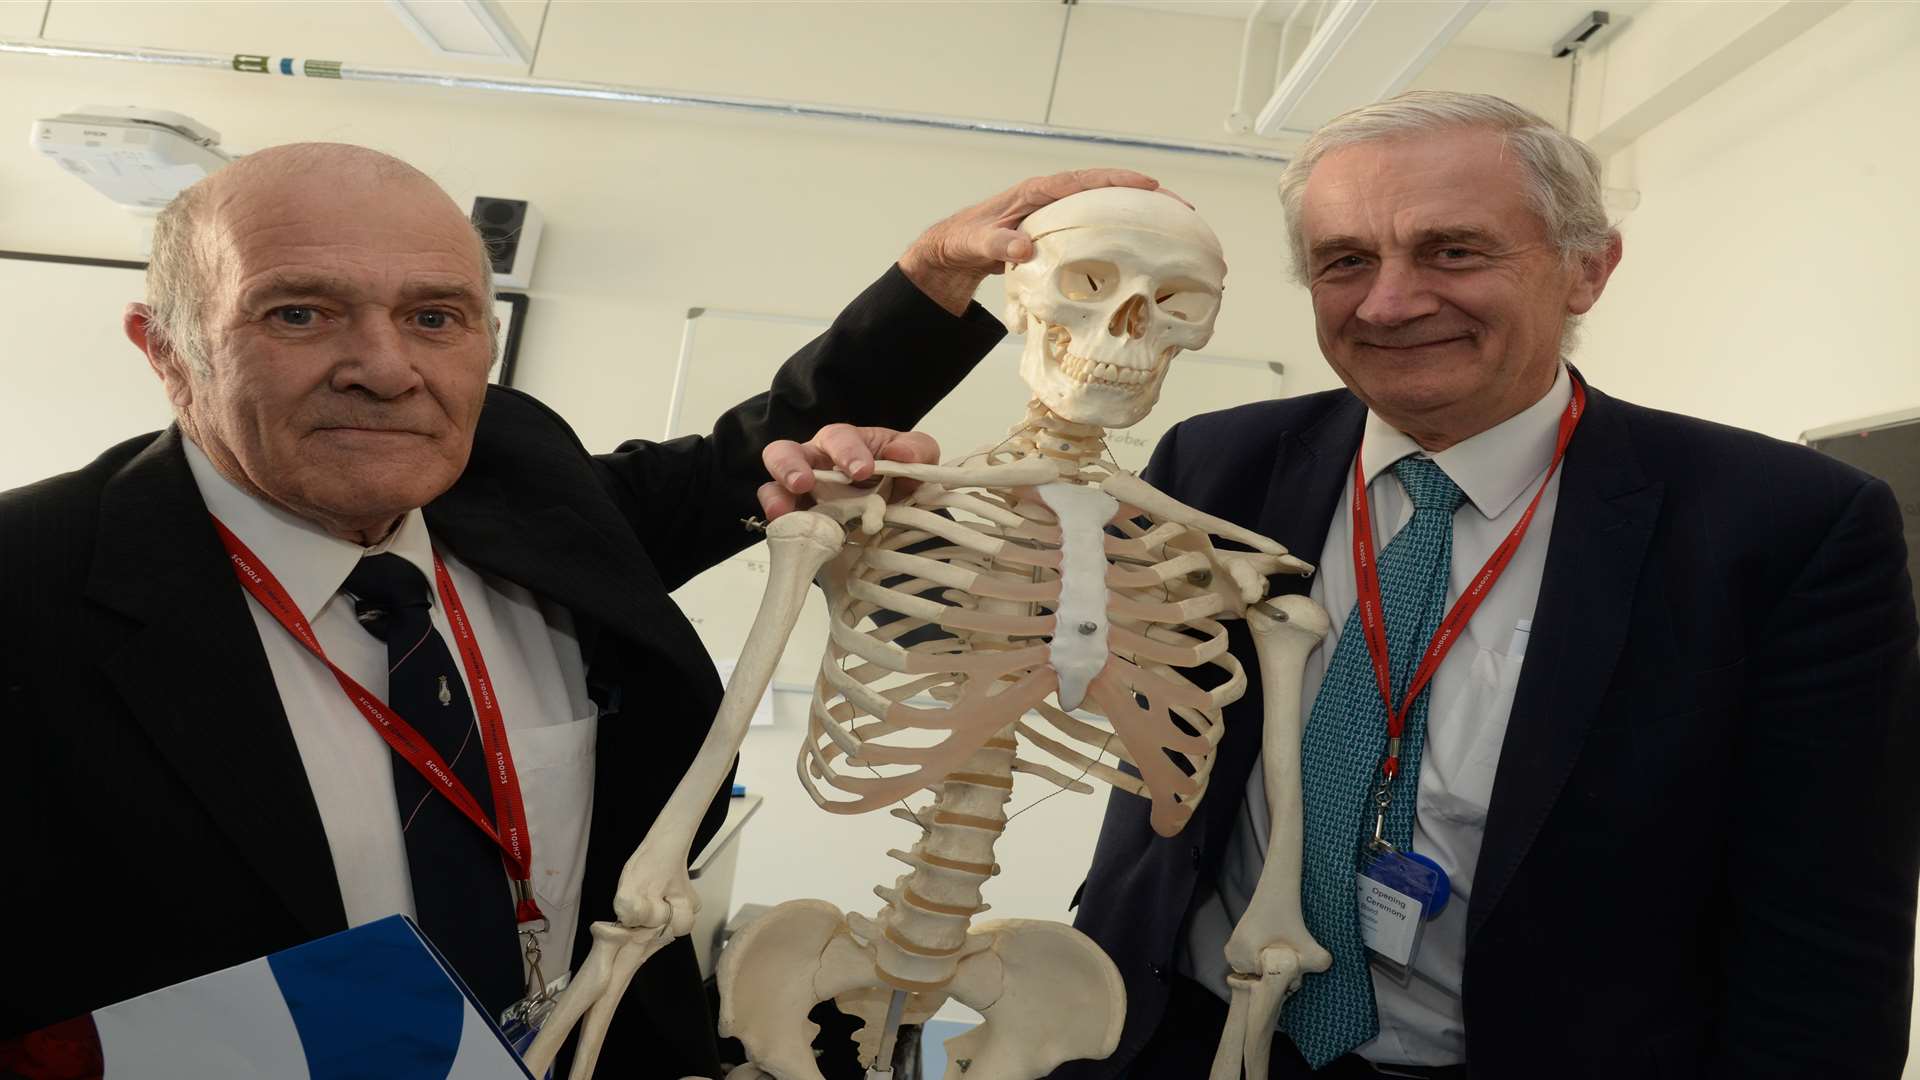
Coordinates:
(928, 911)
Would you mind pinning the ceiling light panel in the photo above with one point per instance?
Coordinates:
(468, 29)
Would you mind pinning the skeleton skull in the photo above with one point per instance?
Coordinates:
(1121, 280)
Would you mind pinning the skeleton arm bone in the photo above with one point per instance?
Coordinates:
(654, 890)
(1284, 633)
(654, 900)
(1270, 946)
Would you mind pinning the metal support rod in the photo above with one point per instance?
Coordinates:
(262, 65)
(882, 1068)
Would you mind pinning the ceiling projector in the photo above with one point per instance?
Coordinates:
(139, 158)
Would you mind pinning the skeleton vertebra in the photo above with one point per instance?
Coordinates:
(1028, 571)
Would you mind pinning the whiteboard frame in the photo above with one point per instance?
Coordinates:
(1879, 422)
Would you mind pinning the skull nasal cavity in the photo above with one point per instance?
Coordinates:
(1129, 319)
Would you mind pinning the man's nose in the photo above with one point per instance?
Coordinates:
(378, 360)
(1398, 293)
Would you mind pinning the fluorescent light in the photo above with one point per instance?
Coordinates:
(468, 29)
(1363, 52)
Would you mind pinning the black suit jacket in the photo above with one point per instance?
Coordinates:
(159, 824)
(1701, 852)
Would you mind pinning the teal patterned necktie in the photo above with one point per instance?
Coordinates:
(1345, 741)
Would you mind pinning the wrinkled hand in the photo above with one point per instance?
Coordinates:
(954, 256)
(850, 449)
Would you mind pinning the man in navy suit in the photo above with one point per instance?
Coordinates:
(1662, 764)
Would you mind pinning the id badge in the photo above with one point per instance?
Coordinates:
(1397, 894)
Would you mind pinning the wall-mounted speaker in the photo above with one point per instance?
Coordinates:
(511, 230)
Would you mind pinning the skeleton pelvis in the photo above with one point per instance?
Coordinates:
(1046, 993)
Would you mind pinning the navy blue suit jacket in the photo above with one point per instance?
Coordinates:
(1701, 852)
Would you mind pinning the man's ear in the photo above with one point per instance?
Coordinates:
(1591, 275)
(161, 355)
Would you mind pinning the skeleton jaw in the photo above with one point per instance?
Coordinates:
(1122, 377)
(1102, 393)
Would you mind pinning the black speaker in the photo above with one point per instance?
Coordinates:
(511, 230)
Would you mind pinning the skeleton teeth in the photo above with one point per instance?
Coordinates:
(1100, 372)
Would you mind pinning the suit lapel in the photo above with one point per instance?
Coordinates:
(1601, 527)
(560, 557)
(1308, 474)
(1309, 469)
(195, 676)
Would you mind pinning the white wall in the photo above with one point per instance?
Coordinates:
(1770, 276)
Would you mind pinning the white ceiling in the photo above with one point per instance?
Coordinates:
(894, 56)
(1528, 26)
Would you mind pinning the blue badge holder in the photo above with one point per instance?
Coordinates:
(1417, 880)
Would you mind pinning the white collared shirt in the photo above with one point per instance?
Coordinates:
(532, 656)
(1471, 697)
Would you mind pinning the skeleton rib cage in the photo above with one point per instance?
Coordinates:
(971, 578)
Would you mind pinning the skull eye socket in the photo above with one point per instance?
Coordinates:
(1088, 279)
(1186, 301)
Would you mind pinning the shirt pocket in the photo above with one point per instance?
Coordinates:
(1462, 766)
(555, 766)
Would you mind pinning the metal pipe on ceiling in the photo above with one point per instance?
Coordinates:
(259, 65)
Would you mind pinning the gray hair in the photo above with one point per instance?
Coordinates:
(180, 272)
(178, 278)
(1563, 177)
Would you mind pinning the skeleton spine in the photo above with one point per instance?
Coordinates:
(924, 925)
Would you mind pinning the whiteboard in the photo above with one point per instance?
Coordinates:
(727, 356)
(71, 384)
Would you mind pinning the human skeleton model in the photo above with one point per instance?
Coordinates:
(994, 586)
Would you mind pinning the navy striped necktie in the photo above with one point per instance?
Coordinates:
(461, 895)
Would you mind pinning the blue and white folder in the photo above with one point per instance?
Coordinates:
(374, 1001)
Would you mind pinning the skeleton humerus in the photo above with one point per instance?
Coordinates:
(1029, 597)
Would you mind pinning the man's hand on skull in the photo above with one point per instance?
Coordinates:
(950, 260)
(849, 449)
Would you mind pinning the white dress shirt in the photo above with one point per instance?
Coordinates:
(532, 656)
(1471, 697)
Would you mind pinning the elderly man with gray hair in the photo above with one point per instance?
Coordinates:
(361, 634)
(1609, 784)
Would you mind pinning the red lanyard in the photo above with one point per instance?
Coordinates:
(1367, 577)
(512, 838)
